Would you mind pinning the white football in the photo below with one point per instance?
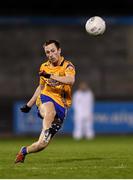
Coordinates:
(95, 26)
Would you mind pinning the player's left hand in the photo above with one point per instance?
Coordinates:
(44, 74)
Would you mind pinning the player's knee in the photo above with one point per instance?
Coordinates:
(50, 114)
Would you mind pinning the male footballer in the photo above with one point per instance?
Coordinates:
(52, 97)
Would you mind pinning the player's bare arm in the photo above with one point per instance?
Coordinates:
(27, 107)
(68, 79)
(35, 95)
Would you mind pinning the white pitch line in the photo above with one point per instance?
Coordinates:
(63, 168)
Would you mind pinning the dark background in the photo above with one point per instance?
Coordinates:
(67, 8)
(11, 40)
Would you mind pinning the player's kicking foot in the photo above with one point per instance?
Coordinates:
(20, 157)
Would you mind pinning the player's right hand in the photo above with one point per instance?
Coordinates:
(25, 108)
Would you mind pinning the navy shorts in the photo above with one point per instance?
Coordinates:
(60, 111)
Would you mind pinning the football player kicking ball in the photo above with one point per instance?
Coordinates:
(52, 97)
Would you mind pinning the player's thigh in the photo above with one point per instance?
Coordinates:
(47, 108)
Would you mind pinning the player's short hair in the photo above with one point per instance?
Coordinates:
(57, 43)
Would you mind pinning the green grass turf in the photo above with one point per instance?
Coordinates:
(105, 157)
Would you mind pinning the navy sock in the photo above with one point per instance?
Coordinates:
(24, 151)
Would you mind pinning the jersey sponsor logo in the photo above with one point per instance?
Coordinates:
(52, 82)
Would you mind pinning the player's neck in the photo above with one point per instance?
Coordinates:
(57, 63)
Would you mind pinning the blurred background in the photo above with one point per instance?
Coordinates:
(105, 62)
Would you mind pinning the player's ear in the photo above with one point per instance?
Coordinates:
(59, 50)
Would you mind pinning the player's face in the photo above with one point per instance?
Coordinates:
(52, 52)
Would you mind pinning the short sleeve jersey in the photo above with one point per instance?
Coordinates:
(59, 92)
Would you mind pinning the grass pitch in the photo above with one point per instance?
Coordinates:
(105, 157)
